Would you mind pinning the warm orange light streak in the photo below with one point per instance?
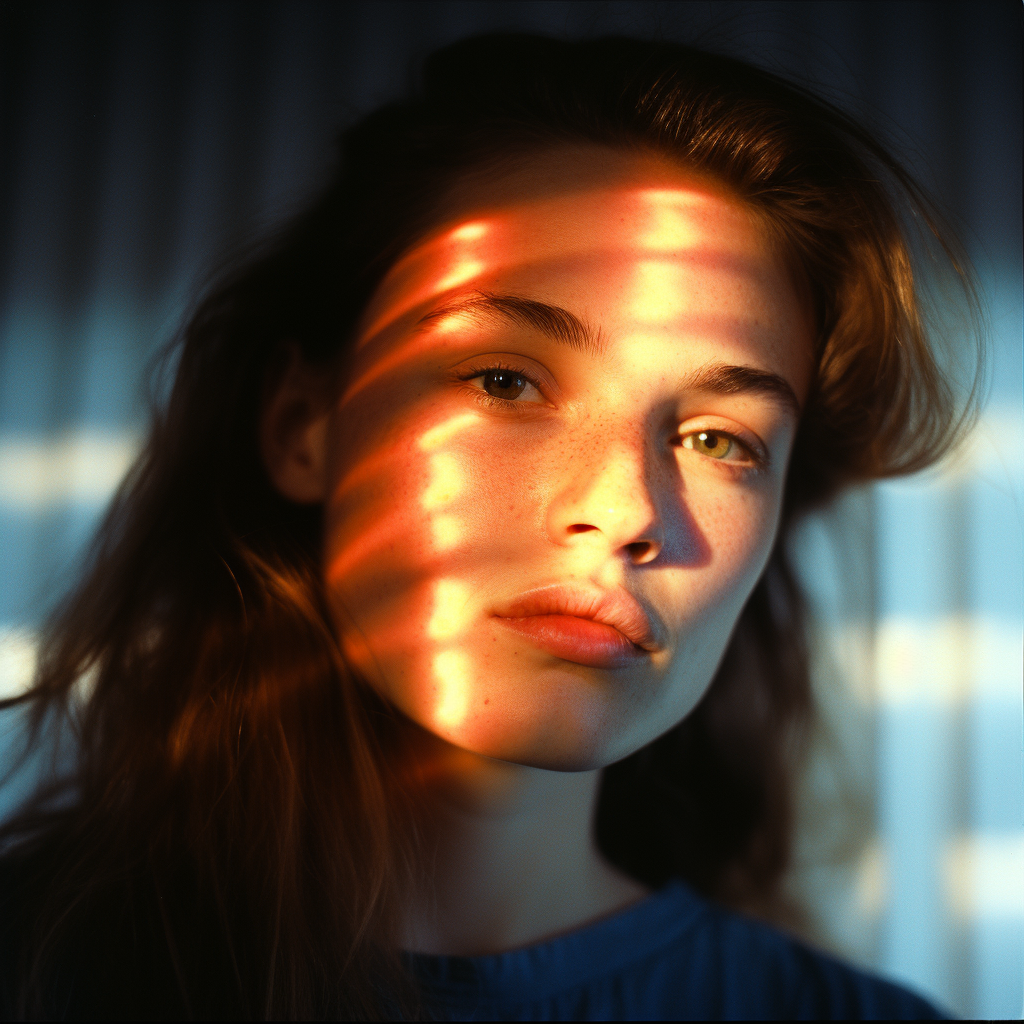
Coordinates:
(450, 323)
(470, 232)
(446, 481)
(381, 461)
(657, 293)
(365, 470)
(463, 253)
(366, 546)
(462, 272)
(452, 610)
(386, 364)
(451, 670)
(446, 430)
(446, 532)
(457, 256)
(668, 220)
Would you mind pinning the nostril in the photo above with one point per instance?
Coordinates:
(581, 528)
(643, 551)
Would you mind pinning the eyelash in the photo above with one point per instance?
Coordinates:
(757, 460)
(492, 400)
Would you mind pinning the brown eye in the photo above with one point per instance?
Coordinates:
(712, 444)
(504, 384)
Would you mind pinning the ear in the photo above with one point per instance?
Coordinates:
(293, 430)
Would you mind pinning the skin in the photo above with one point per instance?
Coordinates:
(443, 504)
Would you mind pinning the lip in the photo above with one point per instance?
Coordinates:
(585, 625)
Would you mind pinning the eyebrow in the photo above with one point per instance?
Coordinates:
(557, 323)
(722, 379)
(568, 329)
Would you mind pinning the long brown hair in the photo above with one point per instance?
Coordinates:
(230, 839)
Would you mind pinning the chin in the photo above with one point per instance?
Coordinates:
(555, 757)
(564, 732)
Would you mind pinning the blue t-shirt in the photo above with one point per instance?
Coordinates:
(674, 956)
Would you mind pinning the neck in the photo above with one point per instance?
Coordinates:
(508, 855)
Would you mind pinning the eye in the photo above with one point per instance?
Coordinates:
(502, 384)
(716, 445)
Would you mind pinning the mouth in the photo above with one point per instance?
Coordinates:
(584, 625)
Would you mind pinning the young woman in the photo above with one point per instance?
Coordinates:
(440, 655)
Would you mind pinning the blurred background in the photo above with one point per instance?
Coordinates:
(140, 141)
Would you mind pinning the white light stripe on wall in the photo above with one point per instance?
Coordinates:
(81, 467)
(985, 875)
(17, 659)
(947, 660)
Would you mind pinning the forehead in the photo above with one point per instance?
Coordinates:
(634, 244)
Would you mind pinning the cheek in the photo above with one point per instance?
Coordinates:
(371, 519)
(410, 518)
(377, 529)
(702, 602)
(737, 528)
(419, 538)
(741, 531)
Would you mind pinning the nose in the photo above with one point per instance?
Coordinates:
(606, 495)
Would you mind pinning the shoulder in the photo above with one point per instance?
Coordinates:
(674, 956)
(724, 965)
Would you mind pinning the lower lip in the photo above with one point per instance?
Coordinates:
(572, 638)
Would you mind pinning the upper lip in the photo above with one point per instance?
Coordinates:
(616, 608)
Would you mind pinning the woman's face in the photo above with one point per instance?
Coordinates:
(556, 471)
